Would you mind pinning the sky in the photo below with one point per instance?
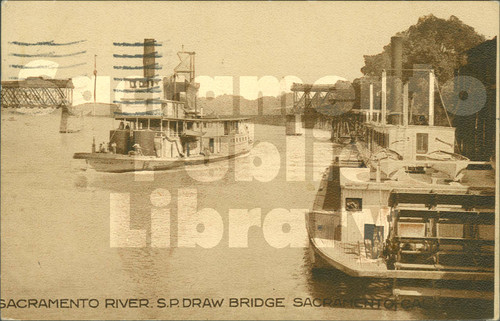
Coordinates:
(237, 42)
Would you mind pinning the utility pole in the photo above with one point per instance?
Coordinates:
(95, 83)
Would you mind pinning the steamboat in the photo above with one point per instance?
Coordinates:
(164, 133)
(399, 204)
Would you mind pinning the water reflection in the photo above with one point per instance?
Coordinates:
(57, 212)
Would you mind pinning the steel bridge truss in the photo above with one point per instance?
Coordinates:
(331, 104)
(312, 96)
(18, 97)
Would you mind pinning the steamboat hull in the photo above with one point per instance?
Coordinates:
(112, 163)
(432, 264)
(407, 283)
(337, 257)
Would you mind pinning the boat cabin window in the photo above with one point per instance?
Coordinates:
(353, 204)
(190, 125)
(154, 124)
(422, 143)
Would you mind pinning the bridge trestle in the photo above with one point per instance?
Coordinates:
(37, 92)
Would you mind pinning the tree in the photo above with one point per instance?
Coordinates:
(432, 41)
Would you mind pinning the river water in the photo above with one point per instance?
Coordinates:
(57, 237)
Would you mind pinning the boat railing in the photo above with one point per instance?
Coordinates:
(171, 133)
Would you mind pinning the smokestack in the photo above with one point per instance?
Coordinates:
(370, 115)
(383, 116)
(431, 98)
(405, 105)
(148, 60)
(397, 80)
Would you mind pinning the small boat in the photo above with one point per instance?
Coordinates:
(162, 134)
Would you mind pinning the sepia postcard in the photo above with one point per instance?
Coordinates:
(249, 160)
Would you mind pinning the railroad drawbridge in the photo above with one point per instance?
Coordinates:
(39, 95)
(37, 92)
(328, 107)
